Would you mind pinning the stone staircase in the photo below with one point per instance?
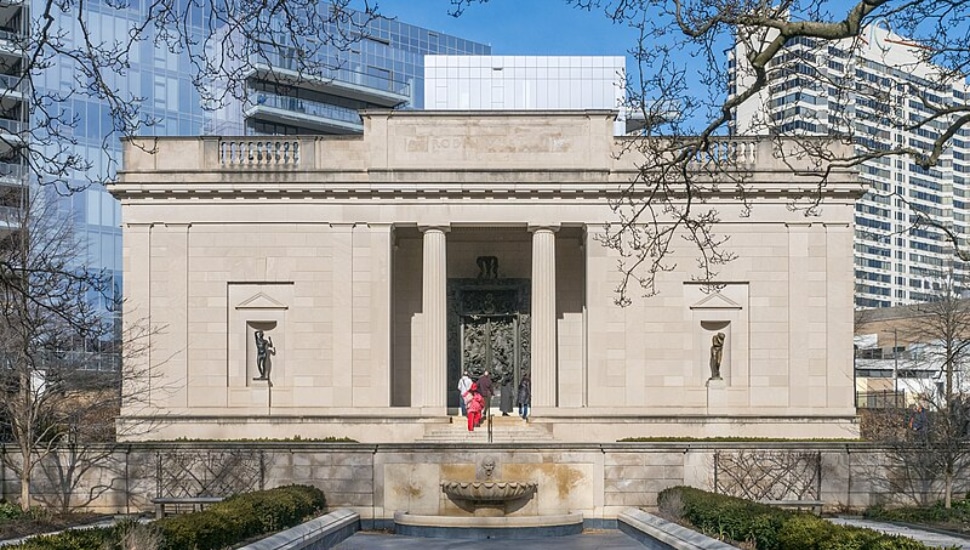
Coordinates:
(505, 429)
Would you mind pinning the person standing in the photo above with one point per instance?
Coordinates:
(507, 399)
(474, 402)
(464, 384)
(524, 396)
(485, 388)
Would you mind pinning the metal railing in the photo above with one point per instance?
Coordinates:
(886, 399)
(71, 360)
(11, 126)
(306, 107)
(10, 36)
(11, 82)
(9, 171)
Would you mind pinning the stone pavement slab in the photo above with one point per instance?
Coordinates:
(926, 537)
(608, 540)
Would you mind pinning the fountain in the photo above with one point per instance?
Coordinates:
(486, 508)
(488, 497)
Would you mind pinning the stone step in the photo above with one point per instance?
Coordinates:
(505, 429)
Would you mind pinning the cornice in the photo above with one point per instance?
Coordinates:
(427, 184)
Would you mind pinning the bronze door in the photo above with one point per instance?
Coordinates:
(488, 329)
(490, 343)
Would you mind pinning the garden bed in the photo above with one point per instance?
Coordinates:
(15, 523)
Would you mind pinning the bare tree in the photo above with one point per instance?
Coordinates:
(54, 324)
(55, 392)
(223, 43)
(706, 68)
(930, 443)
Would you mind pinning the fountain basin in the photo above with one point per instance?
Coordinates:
(508, 527)
(488, 491)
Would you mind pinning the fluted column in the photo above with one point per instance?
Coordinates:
(430, 378)
(544, 372)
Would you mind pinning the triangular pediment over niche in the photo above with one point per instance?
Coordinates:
(716, 301)
(260, 301)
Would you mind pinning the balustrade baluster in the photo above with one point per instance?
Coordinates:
(259, 153)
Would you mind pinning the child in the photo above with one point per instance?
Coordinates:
(474, 403)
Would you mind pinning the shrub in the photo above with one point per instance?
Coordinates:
(724, 516)
(9, 511)
(82, 539)
(224, 524)
(770, 528)
(241, 517)
(937, 513)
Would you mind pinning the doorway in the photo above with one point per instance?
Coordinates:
(488, 329)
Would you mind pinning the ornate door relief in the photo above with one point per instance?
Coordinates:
(488, 328)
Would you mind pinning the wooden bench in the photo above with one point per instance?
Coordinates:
(169, 506)
(815, 505)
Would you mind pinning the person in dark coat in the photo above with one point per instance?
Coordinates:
(524, 396)
(508, 393)
(485, 388)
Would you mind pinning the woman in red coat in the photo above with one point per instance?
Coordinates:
(474, 403)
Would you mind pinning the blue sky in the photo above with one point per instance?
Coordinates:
(520, 27)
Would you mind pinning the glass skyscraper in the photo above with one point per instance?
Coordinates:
(384, 68)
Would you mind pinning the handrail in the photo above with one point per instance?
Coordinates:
(336, 74)
(305, 106)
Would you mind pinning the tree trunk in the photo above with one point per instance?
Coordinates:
(948, 488)
(24, 487)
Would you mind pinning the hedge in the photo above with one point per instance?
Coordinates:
(77, 539)
(224, 524)
(241, 517)
(770, 528)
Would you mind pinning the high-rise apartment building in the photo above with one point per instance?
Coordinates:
(12, 112)
(875, 90)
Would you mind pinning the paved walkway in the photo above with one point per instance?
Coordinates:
(926, 537)
(607, 540)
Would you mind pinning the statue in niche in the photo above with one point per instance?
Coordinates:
(717, 352)
(487, 267)
(264, 347)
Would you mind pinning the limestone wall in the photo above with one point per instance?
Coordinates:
(319, 290)
(376, 481)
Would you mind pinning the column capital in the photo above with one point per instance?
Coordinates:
(554, 227)
(443, 227)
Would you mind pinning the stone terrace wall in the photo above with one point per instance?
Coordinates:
(377, 480)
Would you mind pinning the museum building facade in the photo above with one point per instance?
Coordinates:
(338, 286)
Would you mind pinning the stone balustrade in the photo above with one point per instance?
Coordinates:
(741, 152)
(258, 153)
